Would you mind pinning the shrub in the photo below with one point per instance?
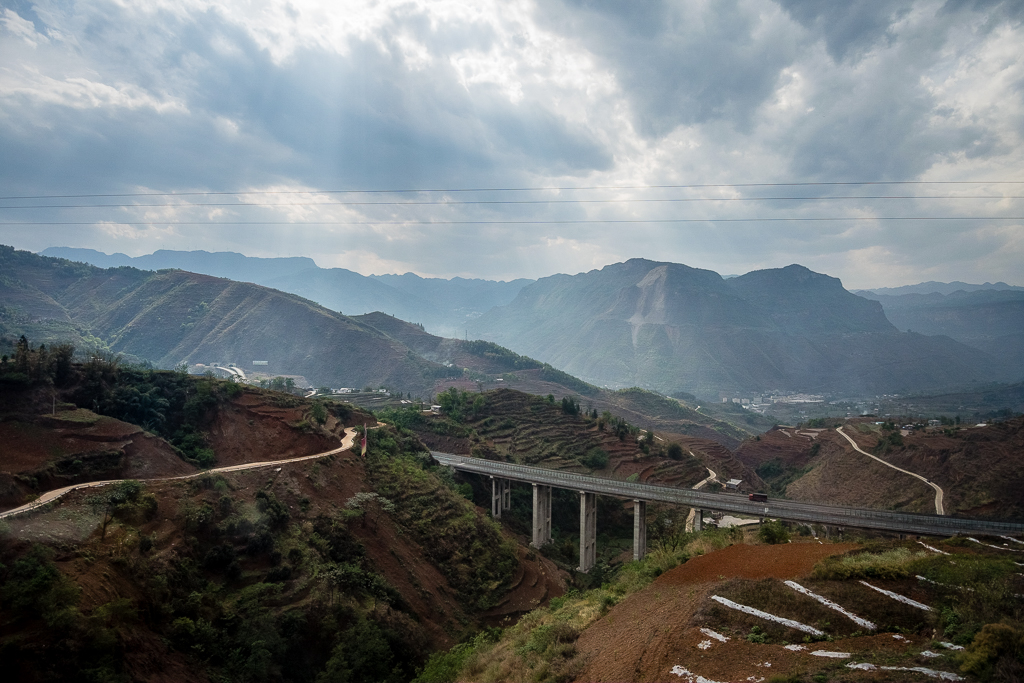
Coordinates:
(993, 642)
(773, 532)
(675, 451)
(595, 459)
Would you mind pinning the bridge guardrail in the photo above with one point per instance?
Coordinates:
(929, 524)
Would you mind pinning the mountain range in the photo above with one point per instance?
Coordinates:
(442, 306)
(674, 328)
(169, 317)
(989, 319)
(663, 326)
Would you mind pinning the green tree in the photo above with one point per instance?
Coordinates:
(773, 532)
(318, 412)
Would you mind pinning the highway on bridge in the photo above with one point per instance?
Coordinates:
(901, 522)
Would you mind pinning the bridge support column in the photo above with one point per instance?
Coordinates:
(541, 515)
(501, 496)
(639, 529)
(698, 520)
(588, 531)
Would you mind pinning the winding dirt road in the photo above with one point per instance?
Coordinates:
(346, 443)
(939, 510)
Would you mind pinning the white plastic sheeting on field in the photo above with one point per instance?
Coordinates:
(989, 545)
(712, 634)
(930, 673)
(934, 550)
(899, 598)
(764, 615)
(831, 605)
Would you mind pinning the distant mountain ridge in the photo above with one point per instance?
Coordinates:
(671, 327)
(174, 316)
(442, 306)
(990, 320)
(932, 287)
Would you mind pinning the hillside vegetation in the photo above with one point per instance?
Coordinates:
(170, 317)
(342, 568)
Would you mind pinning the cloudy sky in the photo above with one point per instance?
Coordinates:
(556, 136)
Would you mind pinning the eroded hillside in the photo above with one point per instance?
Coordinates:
(338, 567)
(979, 469)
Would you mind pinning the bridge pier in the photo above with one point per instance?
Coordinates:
(639, 529)
(541, 515)
(501, 496)
(588, 531)
(698, 520)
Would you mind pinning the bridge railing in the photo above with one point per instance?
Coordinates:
(789, 510)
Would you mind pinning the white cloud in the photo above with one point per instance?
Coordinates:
(13, 23)
(303, 95)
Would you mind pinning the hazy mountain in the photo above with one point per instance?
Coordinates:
(671, 327)
(991, 320)
(463, 299)
(442, 306)
(932, 287)
(174, 316)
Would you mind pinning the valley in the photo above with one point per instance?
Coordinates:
(245, 537)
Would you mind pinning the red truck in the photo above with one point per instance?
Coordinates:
(759, 497)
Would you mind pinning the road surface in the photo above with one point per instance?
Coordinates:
(939, 509)
(346, 443)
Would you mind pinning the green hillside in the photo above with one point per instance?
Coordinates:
(170, 317)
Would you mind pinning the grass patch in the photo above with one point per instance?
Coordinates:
(896, 563)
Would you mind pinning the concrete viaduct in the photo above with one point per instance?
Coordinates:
(502, 475)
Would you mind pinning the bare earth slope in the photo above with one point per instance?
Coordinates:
(980, 469)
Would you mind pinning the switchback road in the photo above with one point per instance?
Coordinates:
(939, 509)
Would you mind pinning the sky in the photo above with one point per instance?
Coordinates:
(514, 139)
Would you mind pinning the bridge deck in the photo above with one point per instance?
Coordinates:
(932, 525)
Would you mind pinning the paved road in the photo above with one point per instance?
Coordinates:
(346, 443)
(939, 509)
(904, 522)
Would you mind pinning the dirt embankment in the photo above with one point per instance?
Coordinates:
(253, 428)
(647, 634)
(308, 490)
(47, 452)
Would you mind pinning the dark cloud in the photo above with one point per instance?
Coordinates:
(849, 28)
(105, 97)
(682, 63)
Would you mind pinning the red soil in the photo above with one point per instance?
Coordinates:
(650, 632)
(785, 561)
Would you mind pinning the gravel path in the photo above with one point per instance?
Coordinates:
(346, 443)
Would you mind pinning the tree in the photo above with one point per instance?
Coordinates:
(111, 500)
(675, 451)
(773, 532)
(370, 504)
(318, 412)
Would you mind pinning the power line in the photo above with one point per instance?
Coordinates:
(509, 202)
(536, 222)
(521, 189)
